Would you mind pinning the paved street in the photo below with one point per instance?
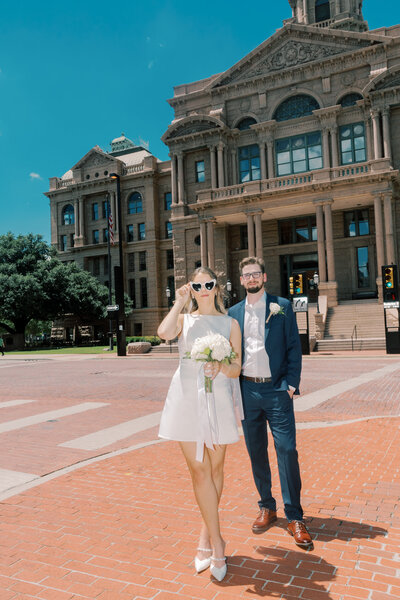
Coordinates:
(93, 506)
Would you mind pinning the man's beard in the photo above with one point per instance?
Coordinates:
(254, 289)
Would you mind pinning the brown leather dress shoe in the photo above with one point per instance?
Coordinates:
(300, 533)
(265, 518)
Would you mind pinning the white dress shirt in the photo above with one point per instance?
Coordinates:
(256, 360)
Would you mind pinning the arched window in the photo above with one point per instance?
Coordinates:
(135, 204)
(350, 99)
(68, 215)
(295, 107)
(246, 123)
(322, 10)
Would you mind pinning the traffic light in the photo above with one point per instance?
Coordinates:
(390, 283)
(298, 284)
(291, 286)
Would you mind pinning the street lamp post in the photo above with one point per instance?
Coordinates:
(168, 294)
(119, 277)
(229, 289)
(110, 322)
(316, 282)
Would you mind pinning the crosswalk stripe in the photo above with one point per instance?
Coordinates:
(14, 403)
(51, 414)
(10, 479)
(108, 436)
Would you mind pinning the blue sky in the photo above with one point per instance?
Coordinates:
(77, 74)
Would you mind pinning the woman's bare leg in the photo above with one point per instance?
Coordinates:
(207, 491)
(217, 458)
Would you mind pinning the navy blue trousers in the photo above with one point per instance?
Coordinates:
(262, 404)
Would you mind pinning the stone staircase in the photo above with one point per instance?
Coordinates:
(361, 319)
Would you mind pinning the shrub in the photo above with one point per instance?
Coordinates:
(153, 339)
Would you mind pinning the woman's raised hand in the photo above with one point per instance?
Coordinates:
(182, 294)
(212, 368)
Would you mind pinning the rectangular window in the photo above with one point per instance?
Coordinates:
(141, 231)
(142, 261)
(200, 171)
(170, 259)
(132, 291)
(171, 286)
(129, 233)
(143, 292)
(137, 329)
(71, 240)
(356, 223)
(63, 243)
(298, 231)
(105, 235)
(95, 211)
(131, 262)
(363, 267)
(167, 200)
(168, 229)
(96, 265)
(95, 238)
(299, 154)
(105, 209)
(352, 144)
(249, 163)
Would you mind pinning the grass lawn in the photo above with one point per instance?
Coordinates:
(72, 350)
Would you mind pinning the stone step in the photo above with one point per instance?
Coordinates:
(165, 349)
(346, 344)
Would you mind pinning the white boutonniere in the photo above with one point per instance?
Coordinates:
(275, 309)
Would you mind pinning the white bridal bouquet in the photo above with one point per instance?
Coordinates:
(211, 347)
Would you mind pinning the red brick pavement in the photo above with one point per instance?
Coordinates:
(126, 528)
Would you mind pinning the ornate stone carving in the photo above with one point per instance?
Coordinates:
(95, 160)
(388, 82)
(192, 128)
(290, 54)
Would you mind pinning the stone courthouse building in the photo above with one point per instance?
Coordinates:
(291, 154)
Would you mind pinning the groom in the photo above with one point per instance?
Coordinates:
(271, 354)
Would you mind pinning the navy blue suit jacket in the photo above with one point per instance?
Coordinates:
(282, 342)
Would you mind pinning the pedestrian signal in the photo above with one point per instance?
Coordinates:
(390, 283)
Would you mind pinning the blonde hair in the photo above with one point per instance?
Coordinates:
(192, 305)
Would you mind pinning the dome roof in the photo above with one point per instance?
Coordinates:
(121, 143)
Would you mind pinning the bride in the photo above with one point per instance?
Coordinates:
(201, 422)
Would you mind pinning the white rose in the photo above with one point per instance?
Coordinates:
(274, 308)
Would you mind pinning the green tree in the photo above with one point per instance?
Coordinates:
(35, 284)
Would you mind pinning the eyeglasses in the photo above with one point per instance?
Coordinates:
(254, 275)
(208, 285)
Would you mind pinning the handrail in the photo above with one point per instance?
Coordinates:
(353, 337)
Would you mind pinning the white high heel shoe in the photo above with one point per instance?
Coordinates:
(218, 572)
(201, 564)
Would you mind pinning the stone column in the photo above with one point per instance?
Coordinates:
(173, 179)
(321, 243)
(234, 166)
(210, 245)
(180, 179)
(387, 207)
(114, 211)
(221, 178)
(81, 218)
(370, 147)
(263, 162)
(250, 234)
(376, 127)
(76, 215)
(380, 250)
(305, 12)
(330, 258)
(270, 155)
(203, 243)
(387, 150)
(334, 146)
(259, 240)
(213, 167)
(325, 148)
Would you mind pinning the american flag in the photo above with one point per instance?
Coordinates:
(110, 225)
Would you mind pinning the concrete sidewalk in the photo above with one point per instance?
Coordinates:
(126, 527)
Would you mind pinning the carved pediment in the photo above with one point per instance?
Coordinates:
(390, 81)
(94, 158)
(288, 52)
(192, 127)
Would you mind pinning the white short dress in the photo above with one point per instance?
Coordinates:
(190, 414)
